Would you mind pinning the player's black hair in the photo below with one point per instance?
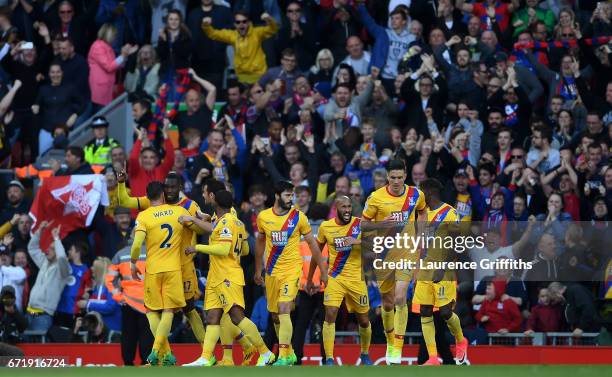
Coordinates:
(223, 199)
(213, 185)
(431, 186)
(396, 164)
(155, 190)
(282, 186)
(176, 176)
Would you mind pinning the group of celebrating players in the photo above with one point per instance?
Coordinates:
(169, 224)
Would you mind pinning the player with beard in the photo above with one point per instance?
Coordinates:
(342, 234)
(229, 331)
(225, 281)
(173, 186)
(280, 229)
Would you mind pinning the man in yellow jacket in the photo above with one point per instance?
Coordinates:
(249, 57)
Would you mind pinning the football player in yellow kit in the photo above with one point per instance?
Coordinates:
(280, 229)
(160, 227)
(173, 185)
(342, 234)
(390, 211)
(439, 287)
(225, 282)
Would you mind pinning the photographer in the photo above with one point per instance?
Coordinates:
(97, 332)
(12, 321)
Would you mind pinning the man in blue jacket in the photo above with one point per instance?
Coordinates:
(391, 43)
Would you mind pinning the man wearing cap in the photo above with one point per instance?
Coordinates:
(97, 151)
(117, 233)
(12, 321)
(11, 276)
(16, 203)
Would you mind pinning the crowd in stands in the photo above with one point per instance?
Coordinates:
(508, 104)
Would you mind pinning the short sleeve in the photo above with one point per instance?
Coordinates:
(421, 204)
(370, 208)
(321, 234)
(260, 224)
(303, 224)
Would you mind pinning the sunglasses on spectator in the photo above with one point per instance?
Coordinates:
(294, 10)
(516, 156)
(567, 35)
(240, 22)
(65, 12)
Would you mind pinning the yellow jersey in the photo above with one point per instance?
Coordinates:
(442, 223)
(164, 237)
(344, 260)
(282, 234)
(227, 229)
(213, 218)
(382, 204)
(142, 202)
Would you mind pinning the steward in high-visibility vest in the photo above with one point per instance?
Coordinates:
(98, 150)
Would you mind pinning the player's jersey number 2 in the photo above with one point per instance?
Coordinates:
(165, 244)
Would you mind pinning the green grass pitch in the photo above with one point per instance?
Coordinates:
(321, 371)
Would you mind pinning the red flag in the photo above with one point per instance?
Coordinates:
(71, 201)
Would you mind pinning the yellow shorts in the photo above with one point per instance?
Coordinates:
(387, 277)
(281, 288)
(436, 294)
(163, 290)
(224, 296)
(355, 292)
(190, 281)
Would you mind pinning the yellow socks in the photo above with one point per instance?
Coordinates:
(210, 341)
(365, 336)
(387, 320)
(454, 325)
(250, 331)
(429, 333)
(399, 324)
(227, 337)
(163, 330)
(154, 318)
(195, 321)
(329, 335)
(284, 335)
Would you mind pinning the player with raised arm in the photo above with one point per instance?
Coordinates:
(173, 186)
(438, 288)
(280, 229)
(225, 281)
(229, 331)
(159, 226)
(389, 211)
(342, 234)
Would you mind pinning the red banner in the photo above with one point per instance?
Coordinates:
(346, 354)
(69, 201)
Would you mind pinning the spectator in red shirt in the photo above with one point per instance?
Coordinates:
(490, 12)
(497, 315)
(546, 316)
(144, 166)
